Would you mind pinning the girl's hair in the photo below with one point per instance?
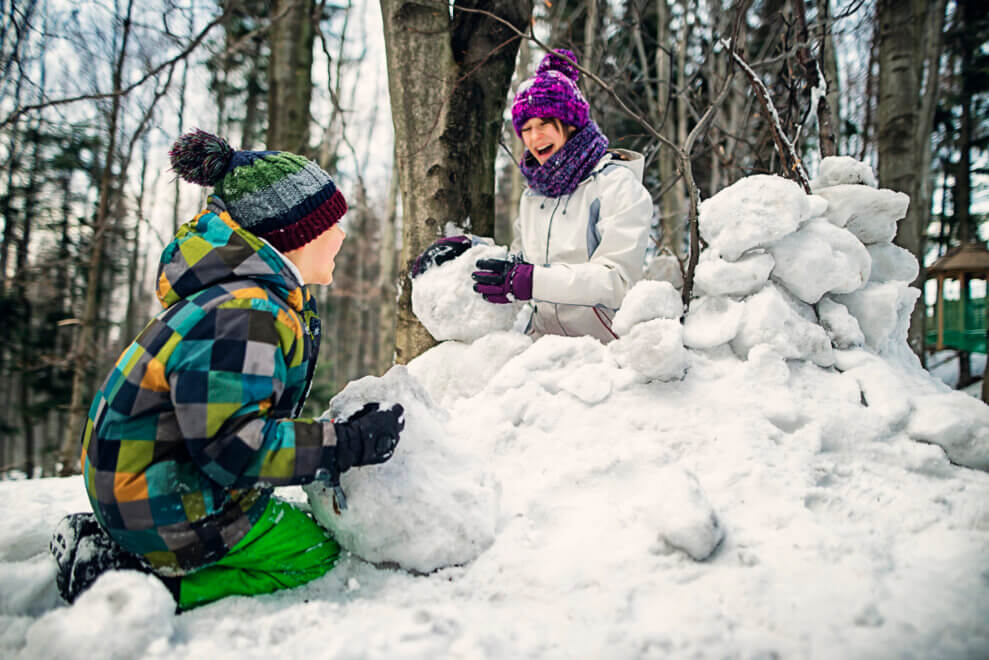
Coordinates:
(566, 129)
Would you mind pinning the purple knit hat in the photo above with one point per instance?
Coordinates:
(552, 92)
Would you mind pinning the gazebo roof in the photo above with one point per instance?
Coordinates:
(970, 258)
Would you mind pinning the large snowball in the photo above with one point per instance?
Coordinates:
(959, 423)
(717, 277)
(883, 312)
(842, 327)
(654, 349)
(432, 505)
(645, 301)
(820, 258)
(444, 300)
(892, 263)
(711, 321)
(753, 212)
(684, 516)
(787, 325)
(839, 170)
(868, 213)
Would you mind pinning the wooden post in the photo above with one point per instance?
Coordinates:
(940, 313)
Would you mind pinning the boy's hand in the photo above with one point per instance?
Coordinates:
(369, 436)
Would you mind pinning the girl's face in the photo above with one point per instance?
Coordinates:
(543, 138)
(315, 259)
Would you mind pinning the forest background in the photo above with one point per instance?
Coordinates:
(405, 103)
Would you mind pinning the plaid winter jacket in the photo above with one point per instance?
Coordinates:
(197, 421)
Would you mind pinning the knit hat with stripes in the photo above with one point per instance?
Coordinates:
(286, 199)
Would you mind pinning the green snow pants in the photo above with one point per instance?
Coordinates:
(284, 549)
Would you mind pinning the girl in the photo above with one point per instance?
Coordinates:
(583, 224)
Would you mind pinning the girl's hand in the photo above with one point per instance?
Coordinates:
(496, 278)
(440, 252)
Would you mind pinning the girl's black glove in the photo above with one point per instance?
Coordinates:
(368, 437)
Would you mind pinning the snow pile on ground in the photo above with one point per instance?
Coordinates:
(430, 506)
(444, 300)
(782, 498)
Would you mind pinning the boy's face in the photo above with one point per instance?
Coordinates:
(315, 259)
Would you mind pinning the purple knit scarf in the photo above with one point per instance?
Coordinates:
(563, 172)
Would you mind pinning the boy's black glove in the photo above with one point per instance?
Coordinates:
(368, 437)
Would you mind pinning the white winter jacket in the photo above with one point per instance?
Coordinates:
(588, 247)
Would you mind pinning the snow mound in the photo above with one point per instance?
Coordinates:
(820, 258)
(789, 326)
(842, 327)
(868, 213)
(839, 170)
(883, 312)
(444, 300)
(432, 505)
(712, 321)
(125, 614)
(654, 349)
(957, 422)
(753, 212)
(892, 263)
(716, 277)
(645, 301)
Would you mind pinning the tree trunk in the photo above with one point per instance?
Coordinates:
(448, 78)
(290, 76)
(672, 204)
(77, 410)
(386, 279)
(828, 57)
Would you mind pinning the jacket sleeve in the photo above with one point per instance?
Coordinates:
(625, 215)
(516, 245)
(225, 374)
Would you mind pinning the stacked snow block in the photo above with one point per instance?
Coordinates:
(804, 274)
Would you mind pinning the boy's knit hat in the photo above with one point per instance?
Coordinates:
(552, 92)
(286, 199)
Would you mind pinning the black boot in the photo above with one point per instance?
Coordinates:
(84, 551)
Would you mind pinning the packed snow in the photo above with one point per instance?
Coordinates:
(790, 485)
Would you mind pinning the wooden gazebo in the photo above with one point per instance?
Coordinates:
(959, 324)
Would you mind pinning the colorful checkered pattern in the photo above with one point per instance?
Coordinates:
(197, 421)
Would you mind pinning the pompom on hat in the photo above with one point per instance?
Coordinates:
(552, 92)
(284, 198)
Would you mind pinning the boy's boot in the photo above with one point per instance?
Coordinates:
(84, 551)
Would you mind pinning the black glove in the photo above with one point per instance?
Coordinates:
(440, 252)
(368, 437)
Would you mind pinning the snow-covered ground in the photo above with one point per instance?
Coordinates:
(783, 498)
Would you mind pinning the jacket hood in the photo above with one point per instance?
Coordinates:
(633, 160)
(211, 249)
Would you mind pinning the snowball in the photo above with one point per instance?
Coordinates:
(665, 268)
(717, 277)
(686, 519)
(653, 349)
(839, 170)
(959, 423)
(444, 300)
(755, 211)
(841, 326)
(645, 301)
(820, 258)
(428, 507)
(892, 263)
(883, 312)
(817, 206)
(120, 616)
(868, 213)
(786, 324)
(453, 370)
(711, 321)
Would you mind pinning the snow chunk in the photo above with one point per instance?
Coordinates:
(841, 326)
(892, 263)
(654, 349)
(645, 301)
(883, 313)
(839, 170)
(453, 370)
(787, 325)
(868, 213)
(125, 614)
(959, 423)
(430, 506)
(444, 300)
(820, 258)
(685, 517)
(717, 277)
(753, 212)
(711, 321)
(665, 268)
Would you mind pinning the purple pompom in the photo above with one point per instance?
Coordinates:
(552, 62)
(200, 157)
